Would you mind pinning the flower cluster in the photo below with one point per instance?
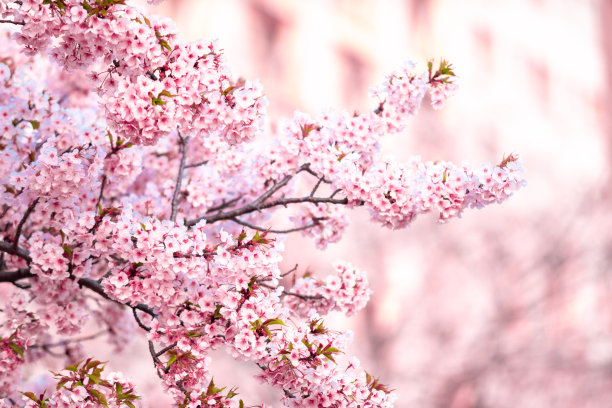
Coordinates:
(135, 192)
(346, 291)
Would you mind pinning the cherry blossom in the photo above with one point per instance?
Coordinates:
(137, 194)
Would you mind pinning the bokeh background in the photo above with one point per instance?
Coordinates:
(509, 306)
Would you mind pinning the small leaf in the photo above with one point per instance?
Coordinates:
(18, 350)
(61, 383)
(164, 44)
(31, 396)
(98, 396)
(232, 393)
(274, 321)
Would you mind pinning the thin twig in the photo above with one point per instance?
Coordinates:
(289, 293)
(138, 321)
(6, 208)
(179, 178)
(290, 271)
(224, 204)
(22, 222)
(316, 187)
(97, 287)
(276, 231)
(249, 208)
(13, 22)
(165, 349)
(187, 166)
(154, 355)
(101, 195)
(336, 192)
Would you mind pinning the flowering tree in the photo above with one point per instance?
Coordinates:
(136, 194)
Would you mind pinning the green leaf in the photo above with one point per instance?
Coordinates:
(164, 44)
(171, 360)
(212, 390)
(232, 393)
(31, 396)
(274, 321)
(94, 378)
(73, 367)
(128, 403)
(18, 350)
(61, 383)
(93, 363)
(166, 93)
(98, 396)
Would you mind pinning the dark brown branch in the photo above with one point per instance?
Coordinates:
(187, 166)
(277, 231)
(179, 177)
(290, 271)
(14, 276)
(22, 222)
(9, 249)
(289, 293)
(154, 355)
(138, 321)
(316, 187)
(13, 22)
(260, 203)
(97, 287)
(6, 208)
(165, 349)
(224, 204)
(101, 195)
(277, 186)
(249, 208)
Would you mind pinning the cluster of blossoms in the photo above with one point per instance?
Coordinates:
(346, 291)
(136, 194)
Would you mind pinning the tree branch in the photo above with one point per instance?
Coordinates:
(13, 22)
(165, 349)
(187, 166)
(224, 204)
(101, 195)
(179, 177)
(14, 276)
(289, 293)
(249, 208)
(21, 222)
(277, 231)
(10, 249)
(138, 321)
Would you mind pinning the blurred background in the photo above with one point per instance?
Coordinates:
(510, 306)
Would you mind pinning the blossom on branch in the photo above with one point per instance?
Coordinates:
(136, 194)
